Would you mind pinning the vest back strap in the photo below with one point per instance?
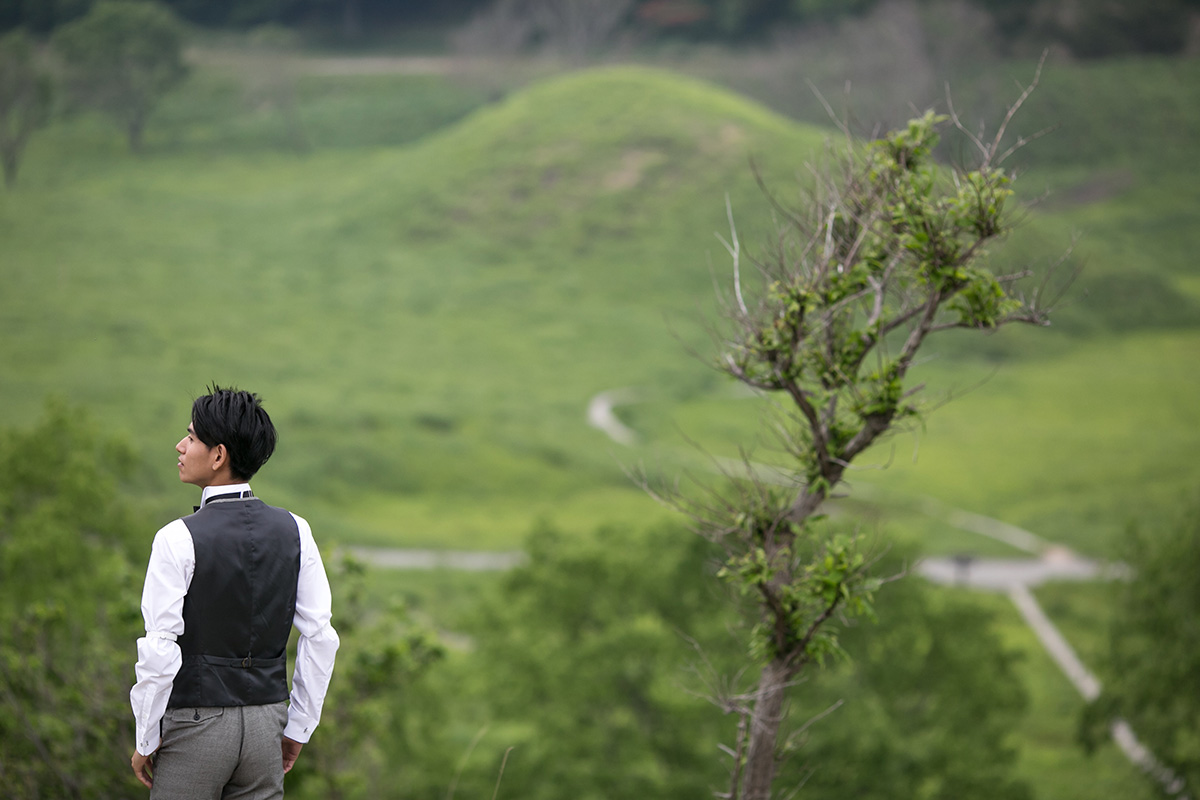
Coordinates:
(248, 662)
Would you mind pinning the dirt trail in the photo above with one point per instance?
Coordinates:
(333, 65)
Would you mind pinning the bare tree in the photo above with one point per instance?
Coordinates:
(272, 77)
(576, 28)
(888, 249)
(500, 29)
(24, 99)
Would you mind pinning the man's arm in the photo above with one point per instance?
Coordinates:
(316, 648)
(172, 561)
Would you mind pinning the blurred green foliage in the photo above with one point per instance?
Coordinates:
(1089, 29)
(25, 95)
(581, 654)
(69, 587)
(121, 58)
(930, 697)
(608, 662)
(380, 713)
(1152, 660)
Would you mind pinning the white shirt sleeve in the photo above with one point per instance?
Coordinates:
(318, 641)
(168, 576)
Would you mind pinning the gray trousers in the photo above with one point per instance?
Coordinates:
(221, 754)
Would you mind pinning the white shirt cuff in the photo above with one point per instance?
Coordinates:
(148, 743)
(299, 727)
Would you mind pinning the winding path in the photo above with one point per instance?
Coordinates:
(601, 414)
(464, 560)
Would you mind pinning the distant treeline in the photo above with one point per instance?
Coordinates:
(1088, 28)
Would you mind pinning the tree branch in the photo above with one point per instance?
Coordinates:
(990, 154)
(820, 438)
(735, 251)
(913, 343)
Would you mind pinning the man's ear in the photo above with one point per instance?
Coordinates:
(222, 456)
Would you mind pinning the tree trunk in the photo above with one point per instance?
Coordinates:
(352, 26)
(9, 157)
(133, 131)
(765, 720)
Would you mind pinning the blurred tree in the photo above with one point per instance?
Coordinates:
(25, 91)
(1091, 28)
(382, 731)
(605, 662)
(929, 698)
(581, 659)
(887, 249)
(1095, 28)
(350, 17)
(829, 9)
(498, 29)
(1013, 18)
(576, 28)
(1153, 662)
(1119, 27)
(121, 59)
(737, 19)
(68, 610)
(40, 15)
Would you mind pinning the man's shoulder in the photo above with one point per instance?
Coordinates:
(175, 538)
(300, 521)
(174, 529)
(301, 524)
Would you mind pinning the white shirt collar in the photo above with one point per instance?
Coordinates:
(217, 491)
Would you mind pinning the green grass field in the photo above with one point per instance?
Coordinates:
(429, 319)
(430, 294)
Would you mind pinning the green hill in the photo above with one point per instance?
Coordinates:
(427, 323)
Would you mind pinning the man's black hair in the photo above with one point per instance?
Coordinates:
(237, 420)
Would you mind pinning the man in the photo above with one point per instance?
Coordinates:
(223, 589)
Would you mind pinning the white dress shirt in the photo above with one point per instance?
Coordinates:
(168, 576)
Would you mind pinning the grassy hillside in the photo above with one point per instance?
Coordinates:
(427, 323)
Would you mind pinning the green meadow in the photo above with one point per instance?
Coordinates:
(429, 293)
(428, 322)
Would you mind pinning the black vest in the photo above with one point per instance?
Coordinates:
(237, 614)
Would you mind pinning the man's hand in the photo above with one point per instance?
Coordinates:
(291, 749)
(143, 768)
